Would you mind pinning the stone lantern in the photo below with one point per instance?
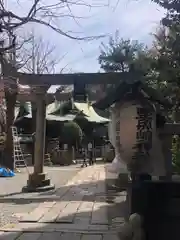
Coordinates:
(137, 142)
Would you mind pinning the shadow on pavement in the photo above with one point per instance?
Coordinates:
(79, 225)
(91, 191)
(88, 189)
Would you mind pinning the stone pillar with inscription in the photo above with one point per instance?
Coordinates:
(38, 180)
(139, 144)
(141, 159)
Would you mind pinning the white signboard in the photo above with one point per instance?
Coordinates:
(65, 146)
(89, 146)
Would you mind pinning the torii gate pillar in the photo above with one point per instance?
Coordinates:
(38, 180)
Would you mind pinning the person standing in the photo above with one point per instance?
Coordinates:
(90, 151)
(84, 158)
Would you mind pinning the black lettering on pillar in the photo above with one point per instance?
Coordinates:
(143, 135)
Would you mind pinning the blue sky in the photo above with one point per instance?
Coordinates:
(134, 19)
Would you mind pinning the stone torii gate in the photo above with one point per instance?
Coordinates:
(38, 180)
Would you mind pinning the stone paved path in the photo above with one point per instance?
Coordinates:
(13, 201)
(80, 213)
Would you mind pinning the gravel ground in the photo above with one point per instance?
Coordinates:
(10, 213)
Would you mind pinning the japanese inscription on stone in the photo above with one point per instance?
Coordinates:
(144, 134)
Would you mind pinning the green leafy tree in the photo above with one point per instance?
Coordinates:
(167, 67)
(121, 55)
(173, 11)
(167, 62)
(71, 133)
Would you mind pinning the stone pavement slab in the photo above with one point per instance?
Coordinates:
(68, 213)
(14, 203)
(73, 204)
(111, 237)
(57, 236)
(82, 210)
(64, 227)
(90, 236)
(29, 236)
(9, 236)
(99, 213)
(47, 236)
(53, 213)
(37, 213)
(67, 236)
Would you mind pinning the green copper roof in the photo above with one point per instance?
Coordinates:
(53, 112)
(52, 117)
(89, 113)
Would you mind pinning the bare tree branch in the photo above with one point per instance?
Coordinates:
(37, 56)
(45, 14)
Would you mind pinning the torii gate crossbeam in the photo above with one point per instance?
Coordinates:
(68, 79)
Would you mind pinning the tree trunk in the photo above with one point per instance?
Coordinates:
(8, 152)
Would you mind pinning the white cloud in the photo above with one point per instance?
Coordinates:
(134, 19)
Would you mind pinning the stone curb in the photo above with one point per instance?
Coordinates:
(56, 227)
